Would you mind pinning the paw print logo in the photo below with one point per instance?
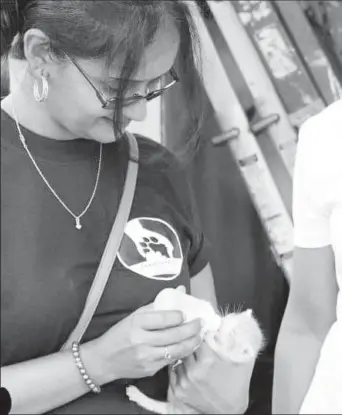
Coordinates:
(154, 245)
(151, 247)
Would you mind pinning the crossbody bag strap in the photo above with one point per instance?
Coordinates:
(112, 246)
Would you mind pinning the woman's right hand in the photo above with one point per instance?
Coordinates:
(136, 346)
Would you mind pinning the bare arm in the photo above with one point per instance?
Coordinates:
(40, 385)
(132, 348)
(310, 313)
(202, 286)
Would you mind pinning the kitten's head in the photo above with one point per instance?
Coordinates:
(240, 337)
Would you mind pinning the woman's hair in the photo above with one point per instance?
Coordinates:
(4, 77)
(117, 31)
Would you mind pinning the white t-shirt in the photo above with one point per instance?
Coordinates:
(317, 214)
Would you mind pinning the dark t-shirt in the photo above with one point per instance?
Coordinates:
(47, 265)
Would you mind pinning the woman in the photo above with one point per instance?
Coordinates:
(308, 361)
(91, 67)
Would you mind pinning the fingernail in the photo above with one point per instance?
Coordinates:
(177, 363)
(202, 333)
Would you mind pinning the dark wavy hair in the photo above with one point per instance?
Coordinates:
(117, 31)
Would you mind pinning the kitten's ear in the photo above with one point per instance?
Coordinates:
(249, 312)
(181, 288)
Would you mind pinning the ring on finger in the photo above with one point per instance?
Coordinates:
(168, 355)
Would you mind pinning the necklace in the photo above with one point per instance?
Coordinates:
(76, 217)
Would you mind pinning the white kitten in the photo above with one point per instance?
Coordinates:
(235, 336)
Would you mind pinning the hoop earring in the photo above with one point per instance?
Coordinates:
(41, 97)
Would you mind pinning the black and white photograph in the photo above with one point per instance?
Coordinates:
(171, 207)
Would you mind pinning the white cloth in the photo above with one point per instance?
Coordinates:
(317, 213)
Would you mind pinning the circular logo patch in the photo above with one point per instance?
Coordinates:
(151, 248)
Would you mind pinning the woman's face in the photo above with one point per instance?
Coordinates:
(72, 102)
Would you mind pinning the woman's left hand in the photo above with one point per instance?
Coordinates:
(211, 384)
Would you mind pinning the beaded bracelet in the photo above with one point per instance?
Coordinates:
(89, 382)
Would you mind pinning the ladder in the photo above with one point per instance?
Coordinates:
(276, 41)
(242, 141)
(323, 74)
(264, 94)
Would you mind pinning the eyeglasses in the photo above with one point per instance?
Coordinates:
(109, 103)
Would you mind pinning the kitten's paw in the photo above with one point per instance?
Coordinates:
(133, 393)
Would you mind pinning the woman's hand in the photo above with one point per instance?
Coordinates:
(137, 346)
(211, 384)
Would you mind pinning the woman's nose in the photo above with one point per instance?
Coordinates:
(136, 111)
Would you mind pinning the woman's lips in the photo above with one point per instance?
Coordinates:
(125, 123)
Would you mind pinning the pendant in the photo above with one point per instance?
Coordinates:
(78, 223)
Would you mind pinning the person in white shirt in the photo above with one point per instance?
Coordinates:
(308, 358)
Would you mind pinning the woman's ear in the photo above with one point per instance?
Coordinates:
(249, 312)
(37, 51)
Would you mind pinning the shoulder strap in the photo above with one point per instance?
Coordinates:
(112, 246)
